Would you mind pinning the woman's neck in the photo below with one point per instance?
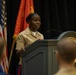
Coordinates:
(32, 29)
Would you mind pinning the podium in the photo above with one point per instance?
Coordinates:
(39, 58)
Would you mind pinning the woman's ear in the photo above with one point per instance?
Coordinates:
(28, 21)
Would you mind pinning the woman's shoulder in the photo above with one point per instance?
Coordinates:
(26, 31)
(40, 33)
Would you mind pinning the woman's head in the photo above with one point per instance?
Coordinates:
(34, 21)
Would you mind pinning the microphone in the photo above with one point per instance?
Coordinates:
(53, 33)
(48, 31)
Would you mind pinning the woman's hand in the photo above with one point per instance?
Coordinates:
(20, 52)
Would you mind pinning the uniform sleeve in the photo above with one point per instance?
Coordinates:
(41, 37)
(20, 42)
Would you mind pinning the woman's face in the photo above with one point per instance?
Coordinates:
(35, 22)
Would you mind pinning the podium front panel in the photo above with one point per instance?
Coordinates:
(39, 58)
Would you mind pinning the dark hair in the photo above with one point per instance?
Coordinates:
(30, 16)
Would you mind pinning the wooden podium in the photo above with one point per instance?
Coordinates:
(39, 58)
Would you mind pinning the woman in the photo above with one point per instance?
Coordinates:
(29, 35)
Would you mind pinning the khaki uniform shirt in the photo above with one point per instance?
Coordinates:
(66, 71)
(27, 37)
